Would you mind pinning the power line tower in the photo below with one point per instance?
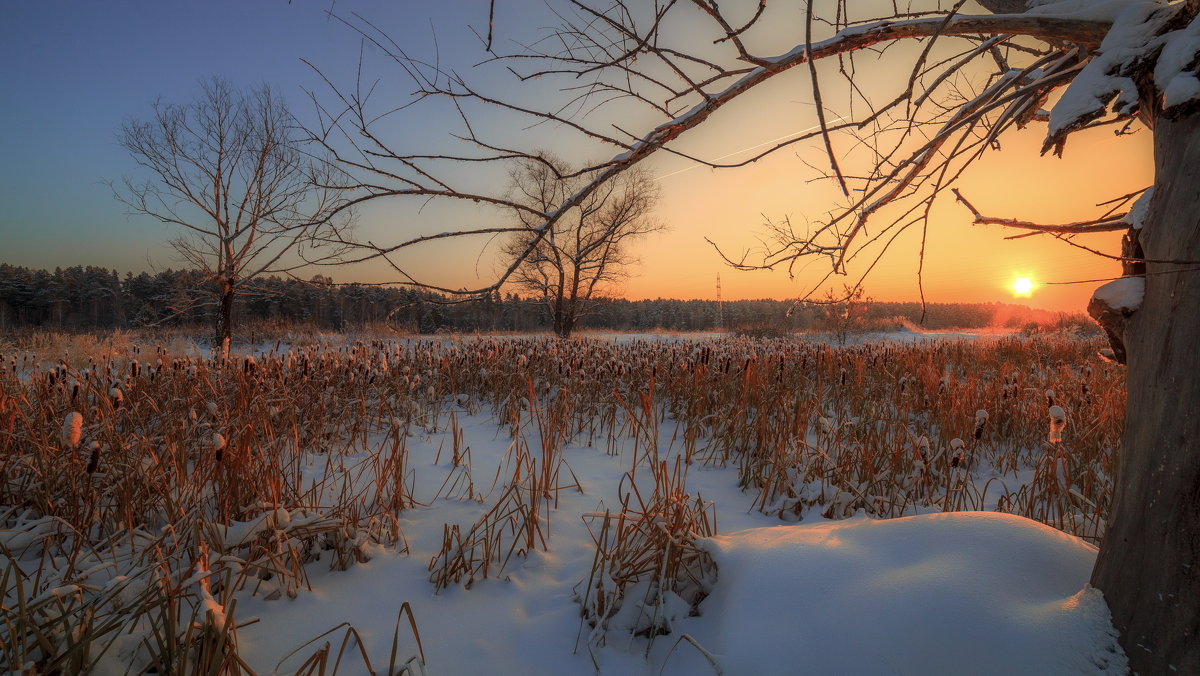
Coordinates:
(720, 305)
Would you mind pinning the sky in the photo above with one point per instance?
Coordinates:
(74, 71)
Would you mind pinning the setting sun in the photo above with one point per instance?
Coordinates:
(1022, 287)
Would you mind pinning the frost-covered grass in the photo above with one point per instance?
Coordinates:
(541, 506)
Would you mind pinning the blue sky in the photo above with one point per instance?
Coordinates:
(73, 71)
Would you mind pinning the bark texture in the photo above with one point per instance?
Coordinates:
(225, 322)
(1149, 561)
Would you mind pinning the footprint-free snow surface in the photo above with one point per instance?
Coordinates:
(960, 593)
(963, 593)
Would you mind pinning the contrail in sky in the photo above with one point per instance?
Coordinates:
(753, 147)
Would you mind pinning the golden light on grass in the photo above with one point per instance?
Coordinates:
(1022, 287)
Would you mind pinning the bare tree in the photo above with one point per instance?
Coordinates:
(845, 313)
(228, 168)
(972, 76)
(588, 248)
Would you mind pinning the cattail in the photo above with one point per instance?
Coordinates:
(1050, 398)
(94, 460)
(72, 429)
(218, 442)
(981, 418)
(956, 449)
(1058, 421)
(117, 396)
(923, 447)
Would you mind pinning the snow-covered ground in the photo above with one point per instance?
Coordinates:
(964, 593)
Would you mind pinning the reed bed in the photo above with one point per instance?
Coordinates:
(144, 487)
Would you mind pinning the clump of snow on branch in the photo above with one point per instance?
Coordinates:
(1134, 36)
(1124, 294)
(1175, 72)
(1136, 217)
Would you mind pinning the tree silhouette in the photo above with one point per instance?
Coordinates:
(588, 249)
(228, 169)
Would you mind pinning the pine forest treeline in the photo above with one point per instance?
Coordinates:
(88, 297)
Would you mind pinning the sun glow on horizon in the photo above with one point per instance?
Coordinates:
(1022, 287)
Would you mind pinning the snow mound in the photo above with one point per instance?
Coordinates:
(1124, 294)
(969, 592)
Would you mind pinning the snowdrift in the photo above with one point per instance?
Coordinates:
(960, 593)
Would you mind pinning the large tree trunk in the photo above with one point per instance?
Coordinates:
(563, 323)
(1149, 562)
(225, 322)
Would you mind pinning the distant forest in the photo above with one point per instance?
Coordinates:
(83, 298)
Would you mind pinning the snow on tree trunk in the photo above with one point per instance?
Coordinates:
(1149, 561)
(1111, 306)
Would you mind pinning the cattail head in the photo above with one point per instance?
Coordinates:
(957, 447)
(94, 460)
(219, 443)
(72, 429)
(981, 418)
(1058, 421)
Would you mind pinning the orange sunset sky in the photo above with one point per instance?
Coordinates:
(964, 262)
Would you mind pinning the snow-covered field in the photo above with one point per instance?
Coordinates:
(960, 593)
(711, 504)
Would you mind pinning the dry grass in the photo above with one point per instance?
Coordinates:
(185, 483)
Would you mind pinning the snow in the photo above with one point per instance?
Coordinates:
(72, 429)
(1124, 294)
(940, 593)
(971, 592)
(1133, 36)
(1136, 25)
(1136, 218)
(1171, 72)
